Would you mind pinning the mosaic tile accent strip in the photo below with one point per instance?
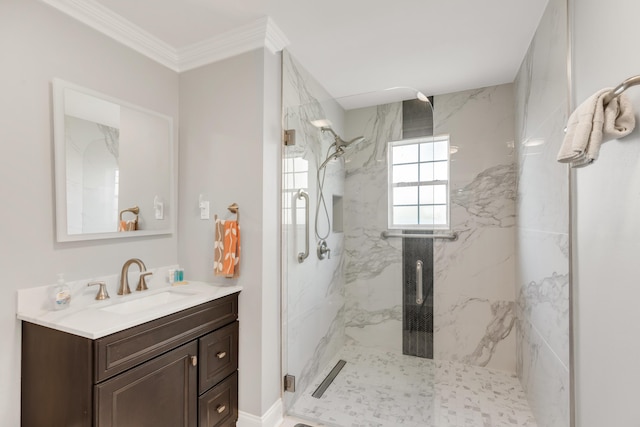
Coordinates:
(417, 319)
(379, 388)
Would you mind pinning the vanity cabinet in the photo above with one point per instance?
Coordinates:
(176, 371)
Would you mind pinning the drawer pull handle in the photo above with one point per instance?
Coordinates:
(194, 360)
(221, 354)
(220, 409)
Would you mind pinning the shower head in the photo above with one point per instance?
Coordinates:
(341, 143)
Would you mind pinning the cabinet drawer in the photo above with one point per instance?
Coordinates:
(218, 356)
(123, 350)
(219, 406)
(159, 393)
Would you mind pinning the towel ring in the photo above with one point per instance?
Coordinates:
(134, 210)
(617, 91)
(234, 209)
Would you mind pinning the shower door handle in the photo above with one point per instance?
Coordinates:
(419, 296)
(303, 255)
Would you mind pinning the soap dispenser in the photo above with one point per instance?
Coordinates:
(60, 294)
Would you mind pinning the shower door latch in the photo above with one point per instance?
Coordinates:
(289, 383)
(289, 137)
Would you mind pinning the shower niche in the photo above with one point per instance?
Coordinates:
(337, 225)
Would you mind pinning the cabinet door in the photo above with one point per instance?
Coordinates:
(218, 356)
(162, 392)
(219, 406)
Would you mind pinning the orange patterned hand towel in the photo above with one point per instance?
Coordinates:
(227, 249)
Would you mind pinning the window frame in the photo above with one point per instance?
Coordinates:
(291, 209)
(447, 183)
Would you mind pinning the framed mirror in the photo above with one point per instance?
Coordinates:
(113, 167)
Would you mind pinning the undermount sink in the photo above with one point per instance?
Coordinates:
(146, 302)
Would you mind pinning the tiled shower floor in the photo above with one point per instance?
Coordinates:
(383, 389)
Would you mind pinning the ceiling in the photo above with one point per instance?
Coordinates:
(357, 48)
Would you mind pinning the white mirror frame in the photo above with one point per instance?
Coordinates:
(62, 235)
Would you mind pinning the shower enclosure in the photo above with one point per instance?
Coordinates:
(426, 326)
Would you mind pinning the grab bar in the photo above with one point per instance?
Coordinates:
(453, 237)
(303, 255)
(419, 296)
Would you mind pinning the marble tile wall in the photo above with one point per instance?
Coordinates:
(313, 308)
(474, 310)
(373, 266)
(474, 288)
(542, 243)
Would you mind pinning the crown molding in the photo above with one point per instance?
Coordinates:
(103, 20)
(261, 33)
(275, 40)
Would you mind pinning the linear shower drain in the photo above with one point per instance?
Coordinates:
(329, 379)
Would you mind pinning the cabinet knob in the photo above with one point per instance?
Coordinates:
(220, 409)
(194, 360)
(221, 354)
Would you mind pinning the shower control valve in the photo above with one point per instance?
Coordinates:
(323, 249)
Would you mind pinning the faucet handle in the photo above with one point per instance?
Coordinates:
(142, 284)
(102, 292)
(323, 249)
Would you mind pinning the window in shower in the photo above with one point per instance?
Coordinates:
(419, 183)
(296, 177)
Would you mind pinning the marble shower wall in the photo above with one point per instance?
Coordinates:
(373, 266)
(313, 309)
(474, 310)
(474, 287)
(542, 233)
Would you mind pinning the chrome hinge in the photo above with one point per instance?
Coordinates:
(289, 383)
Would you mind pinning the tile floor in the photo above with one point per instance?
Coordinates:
(384, 389)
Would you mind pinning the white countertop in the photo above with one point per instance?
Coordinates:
(93, 319)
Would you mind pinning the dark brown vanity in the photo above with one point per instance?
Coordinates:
(176, 371)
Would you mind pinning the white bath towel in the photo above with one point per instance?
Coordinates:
(593, 123)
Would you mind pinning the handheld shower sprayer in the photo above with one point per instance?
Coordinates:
(333, 156)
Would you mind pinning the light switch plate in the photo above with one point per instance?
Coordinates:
(204, 210)
(159, 208)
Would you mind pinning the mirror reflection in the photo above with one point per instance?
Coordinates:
(113, 166)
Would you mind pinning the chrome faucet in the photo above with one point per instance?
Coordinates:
(124, 279)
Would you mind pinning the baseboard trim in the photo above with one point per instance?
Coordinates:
(271, 418)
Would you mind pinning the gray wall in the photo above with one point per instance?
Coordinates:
(542, 232)
(230, 152)
(39, 43)
(231, 130)
(607, 212)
